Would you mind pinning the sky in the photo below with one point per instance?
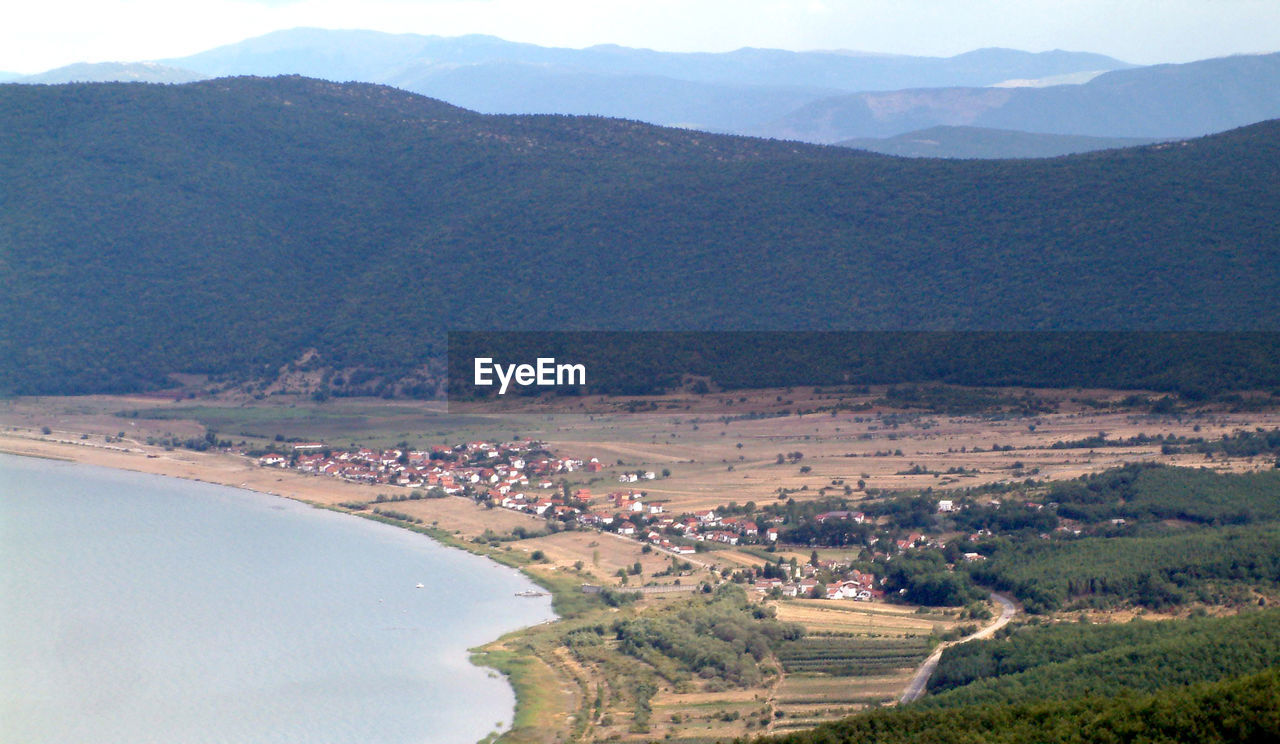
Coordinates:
(43, 34)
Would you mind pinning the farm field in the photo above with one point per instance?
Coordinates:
(862, 618)
(854, 655)
(806, 701)
(851, 658)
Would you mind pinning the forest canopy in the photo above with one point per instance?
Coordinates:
(232, 225)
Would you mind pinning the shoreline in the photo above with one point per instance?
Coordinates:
(319, 492)
(225, 470)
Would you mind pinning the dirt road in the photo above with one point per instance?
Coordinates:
(916, 687)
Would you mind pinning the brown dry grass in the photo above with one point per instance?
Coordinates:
(602, 555)
(863, 618)
(463, 515)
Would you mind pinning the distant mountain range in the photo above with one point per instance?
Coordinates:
(1163, 101)
(977, 142)
(112, 72)
(822, 96)
(734, 92)
(379, 57)
(230, 225)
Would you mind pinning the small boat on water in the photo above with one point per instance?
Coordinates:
(419, 586)
(531, 593)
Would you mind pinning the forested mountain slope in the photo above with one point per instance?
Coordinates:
(1066, 660)
(1244, 709)
(229, 225)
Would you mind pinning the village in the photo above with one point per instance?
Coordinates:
(520, 476)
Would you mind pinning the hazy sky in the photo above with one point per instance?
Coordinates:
(41, 34)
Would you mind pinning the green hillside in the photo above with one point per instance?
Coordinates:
(1035, 664)
(228, 225)
(1245, 709)
(1149, 493)
(1158, 570)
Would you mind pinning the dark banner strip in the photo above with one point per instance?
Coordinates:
(572, 371)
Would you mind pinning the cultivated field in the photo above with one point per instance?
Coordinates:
(874, 619)
(854, 655)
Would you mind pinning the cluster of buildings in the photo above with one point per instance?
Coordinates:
(710, 526)
(492, 468)
(519, 475)
(846, 583)
(629, 514)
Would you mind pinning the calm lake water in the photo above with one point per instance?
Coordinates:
(136, 608)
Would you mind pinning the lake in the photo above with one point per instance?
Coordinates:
(139, 608)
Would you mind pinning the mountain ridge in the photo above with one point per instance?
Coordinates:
(983, 142)
(821, 96)
(745, 66)
(104, 72)
(735, 92)
(1161, 101)
(363, 221)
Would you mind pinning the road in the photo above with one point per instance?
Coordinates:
(916, 687)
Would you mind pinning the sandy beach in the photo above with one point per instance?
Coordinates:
(456, 514)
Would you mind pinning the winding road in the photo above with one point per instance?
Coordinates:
(916, 687)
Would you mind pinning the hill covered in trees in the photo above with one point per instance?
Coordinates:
(228, 226)
(1070, 659)
(1194, 680)
(1243, 709)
